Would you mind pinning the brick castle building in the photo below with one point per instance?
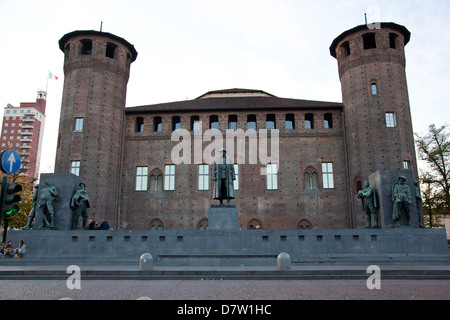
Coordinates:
(22, 130)
(326, 149)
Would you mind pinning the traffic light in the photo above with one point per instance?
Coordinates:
(9, 197)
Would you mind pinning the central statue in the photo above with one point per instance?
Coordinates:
(223, 175)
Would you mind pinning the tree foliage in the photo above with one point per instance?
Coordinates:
(434, 149)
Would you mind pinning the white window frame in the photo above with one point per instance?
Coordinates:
(169, 177)
(272, 176)
(391, 122)
(141, 179)
(327, 175)
(203, 177)
(75, 167)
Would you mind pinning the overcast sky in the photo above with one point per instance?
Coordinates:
(188, 47)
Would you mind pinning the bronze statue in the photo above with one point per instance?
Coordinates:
(33, 208)
(48, 195)
(369, 204)
(418, 203)
(401, 196)
(80, 202)
(223, 175)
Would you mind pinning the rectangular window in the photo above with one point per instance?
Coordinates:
(373, 88)
(309, 121)
(390, 120)
(271, 176)
(406, 164)
(176, 123)
(203, 177)
(327, 175)
(141, 178)
(270, 122)
(328, 121)
(290, 122)
(75, 167)
(236, 173)
(157, 124)
(232, 122)
(169, 177)
(78, 124)
(251, 122)
(195, 123)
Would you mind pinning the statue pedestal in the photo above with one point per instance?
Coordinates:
(382, 181)
(223, 217)
(66, 184)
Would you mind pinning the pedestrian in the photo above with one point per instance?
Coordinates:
(8, 250)
(20, 251)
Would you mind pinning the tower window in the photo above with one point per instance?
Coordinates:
(328, 121)
(78, 124)
(369, 41)
(110, 50)
(345, 49)
(86, 47)
(393, 40)
(75, 167)
(390, 120)
(373, 88)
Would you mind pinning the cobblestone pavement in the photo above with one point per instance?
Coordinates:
(225, 290)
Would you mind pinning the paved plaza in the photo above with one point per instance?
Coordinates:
(216, 289)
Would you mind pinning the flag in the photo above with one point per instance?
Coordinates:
(52, 76)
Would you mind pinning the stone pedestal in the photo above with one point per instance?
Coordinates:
(223, 217)
(66, 184)
(383, 181)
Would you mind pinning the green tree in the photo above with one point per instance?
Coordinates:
(434, 149)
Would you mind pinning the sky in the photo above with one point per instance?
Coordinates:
(189, 47)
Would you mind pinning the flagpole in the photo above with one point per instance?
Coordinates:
(46, 85)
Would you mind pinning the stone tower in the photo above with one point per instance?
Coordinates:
(378, 126)
(90, 141)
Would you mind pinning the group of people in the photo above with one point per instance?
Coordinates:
(94, 225)
(9, 251)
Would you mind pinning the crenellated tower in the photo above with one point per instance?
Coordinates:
(90, 141)
(378, 126)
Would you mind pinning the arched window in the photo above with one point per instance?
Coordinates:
(254, 224)
(156, 224)
(202, 224)
(156, 180)
(310, 179)
(304, 224)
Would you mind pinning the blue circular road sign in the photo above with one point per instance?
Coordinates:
(10, 161)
